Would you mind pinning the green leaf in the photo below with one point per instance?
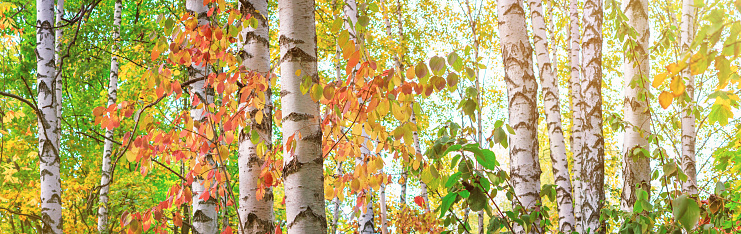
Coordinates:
(448, 201)
(254, 136)
(452, 180)
(363, 21)
(477, 200)
(686, 211)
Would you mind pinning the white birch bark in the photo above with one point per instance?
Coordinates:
(204, 211)
(636, 70)
(549, 83)
(256, 215)
(303, 165)
(384, 221)
(58, 33)
(48, 128)
(418, 150)
(593, 170)
(108, 145)
(523, 117)
(577, 121)
(687, 35)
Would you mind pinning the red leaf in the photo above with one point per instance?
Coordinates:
(278, 229)
(420, 201)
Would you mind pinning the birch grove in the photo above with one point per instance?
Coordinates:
(346, 116)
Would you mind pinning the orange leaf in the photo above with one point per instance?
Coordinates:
(665, 99)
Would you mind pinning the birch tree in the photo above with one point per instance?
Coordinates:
(256, 214)
(105, 177)
(303, 161)
(593, 152)
(689, 135)
(577, 121)
(636, 70)
(48, 129)
(549, 84)
(58, 33)
(204, 211)
(523, 116)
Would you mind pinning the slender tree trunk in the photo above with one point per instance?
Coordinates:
(186, 210)
(549, 82)
(303, 164)
(577, 121)
(418, 150)
(51, 192)
(636, 70)
(365, 220)
(687, 35)
(523, 116)
(384, 222)
(255, 214)
(593, 161)
(336, 202)
(400, 66)
(58, 59)
(108, 145)
(204, 211)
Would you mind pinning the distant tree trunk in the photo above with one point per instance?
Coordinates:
(593, 161)
(108, 145)
(303, 165)
(336, 202)
(559, 159)
(204, 211)
(255, 214)
(687, 35)
(523, 116)
(384, 220)
(577, 121)
(48, 128)
(636, 70)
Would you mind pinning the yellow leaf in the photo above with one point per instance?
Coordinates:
(677, 86)
(298, 72)
(665, 99)
(258, 117)
(658, 80)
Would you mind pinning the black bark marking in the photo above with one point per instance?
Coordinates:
(309, 214)
(293, 116)
(296, 54)
(254, 224)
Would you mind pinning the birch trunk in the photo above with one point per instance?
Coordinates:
(636, 69)
(523, 117)
(48, 128)
(336, 202)
(303, 164)
(577, 121)
(384, 222)
(418, 150)
(593, 154)
(400, 66)
(108, 145)
(204, 211)
(687, 35)
(58, 60)
(255, 214)
(549, 83)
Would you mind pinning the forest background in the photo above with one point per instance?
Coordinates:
(425, 116)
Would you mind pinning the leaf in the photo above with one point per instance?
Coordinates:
(421, 70)
(686, 211)
(420, 201)
(452, 81)
(453, 179)
(363, 21)
(437, 64)
(448, 201)
(677, 86)
(477, 200)
(665, 99)
(658, 80)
